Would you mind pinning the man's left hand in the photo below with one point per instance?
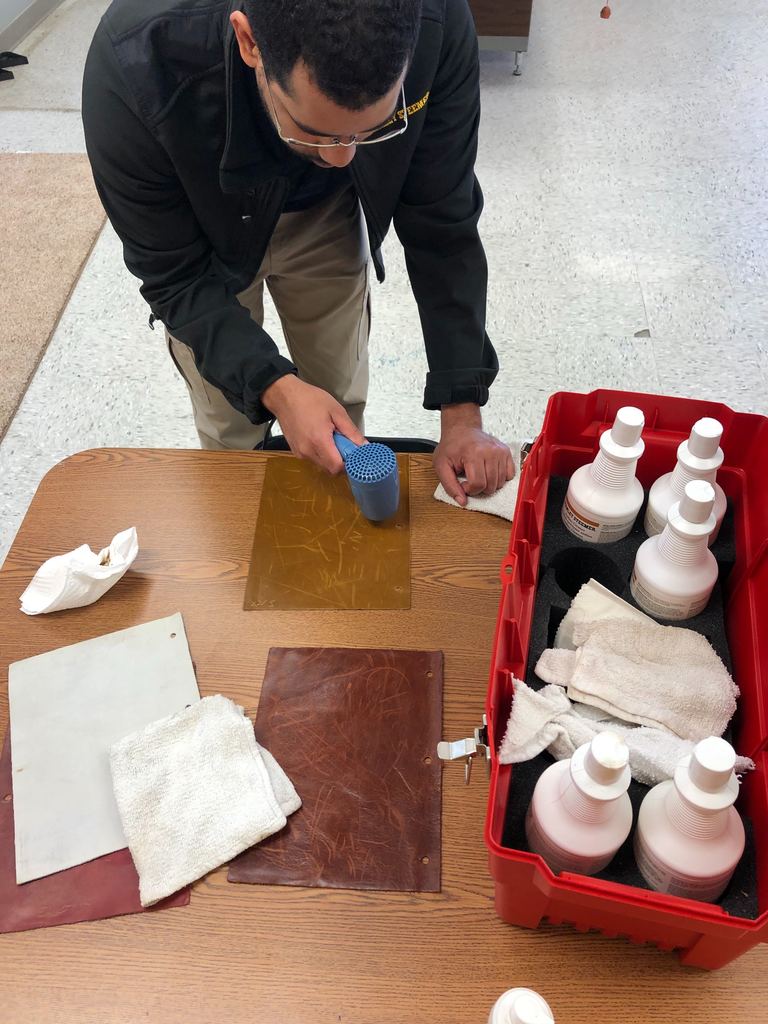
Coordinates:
(466, 450)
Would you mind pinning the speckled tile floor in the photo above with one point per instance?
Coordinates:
(626, 184)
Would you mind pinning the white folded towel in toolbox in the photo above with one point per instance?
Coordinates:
(658, 676)
(79, 577)
(546, 720)
(193, 791)
(593, 603)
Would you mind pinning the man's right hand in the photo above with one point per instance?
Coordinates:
(308, 417)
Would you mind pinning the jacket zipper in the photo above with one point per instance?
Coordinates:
(370, 219)
(247, 219)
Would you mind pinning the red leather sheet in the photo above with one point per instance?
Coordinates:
(356, 732)
(105, 887)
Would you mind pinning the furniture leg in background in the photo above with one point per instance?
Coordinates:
(503, 25)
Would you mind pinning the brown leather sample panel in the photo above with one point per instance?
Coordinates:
(105, 887)
(356, 731)
(314, 549)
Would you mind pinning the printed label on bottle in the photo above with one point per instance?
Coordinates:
(590, 529)
(557, 858)
(665, 608)
(663, 879)
(653, 522)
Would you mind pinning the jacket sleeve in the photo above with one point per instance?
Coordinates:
(163, 244)
(436, 222)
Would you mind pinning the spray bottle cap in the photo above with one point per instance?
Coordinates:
(702, 452)
(623, 440)
(600, 769)
(692, 516)
(521, 1006)
(706, 777)
(697, 501)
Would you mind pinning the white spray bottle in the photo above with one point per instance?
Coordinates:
(689, 835)
(675, 572)
(698, 458)
(605, 496)
(521, 1006)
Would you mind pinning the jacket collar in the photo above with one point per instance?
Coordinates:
(250, 153)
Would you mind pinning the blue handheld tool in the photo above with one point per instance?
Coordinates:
(373, 477)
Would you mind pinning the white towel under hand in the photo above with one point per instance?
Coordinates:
(79, 577)
(502, 503)
(658, 676)
(546, 720)
(193, 791)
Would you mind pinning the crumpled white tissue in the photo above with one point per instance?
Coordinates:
(79, 577)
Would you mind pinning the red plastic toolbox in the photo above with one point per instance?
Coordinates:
(527, 892)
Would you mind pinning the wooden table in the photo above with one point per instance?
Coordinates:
(283, 955)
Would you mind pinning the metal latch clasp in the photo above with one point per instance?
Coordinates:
(467, 750)
(525, 449)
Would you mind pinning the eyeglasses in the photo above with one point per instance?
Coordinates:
(379, 134)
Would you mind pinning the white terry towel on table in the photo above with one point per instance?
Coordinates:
(193, 791)
(501, 504)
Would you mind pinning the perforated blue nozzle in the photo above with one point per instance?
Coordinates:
(373, 477)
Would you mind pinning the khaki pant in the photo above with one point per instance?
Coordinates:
(316, 269)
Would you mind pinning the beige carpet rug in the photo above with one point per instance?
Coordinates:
(50, 216)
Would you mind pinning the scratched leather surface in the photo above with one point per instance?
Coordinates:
(356, 732)
(105, 887)
(314, 549)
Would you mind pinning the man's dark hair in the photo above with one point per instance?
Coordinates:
(355, 50)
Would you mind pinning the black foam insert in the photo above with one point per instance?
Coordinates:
(566, 564)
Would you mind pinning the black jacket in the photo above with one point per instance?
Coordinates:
(194, 193)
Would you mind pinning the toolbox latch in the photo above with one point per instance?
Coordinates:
(525, 449)
(467, 750)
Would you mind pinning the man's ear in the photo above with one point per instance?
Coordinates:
(249, 51)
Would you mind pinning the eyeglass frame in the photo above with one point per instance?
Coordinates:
(336, 139)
